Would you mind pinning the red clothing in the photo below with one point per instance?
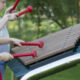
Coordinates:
(0, 76)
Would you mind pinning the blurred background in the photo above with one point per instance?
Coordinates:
(49, 16)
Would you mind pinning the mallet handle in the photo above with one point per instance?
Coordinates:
(33, 54)
(15, 5)
(40, 44)
(29, 9)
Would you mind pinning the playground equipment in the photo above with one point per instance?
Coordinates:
(58, 47)
(61, 49)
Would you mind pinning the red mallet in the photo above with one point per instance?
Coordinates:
(15, 5)
(29, 9)
(33, 54)
(39, 44)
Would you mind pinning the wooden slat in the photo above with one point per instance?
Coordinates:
(54, 44)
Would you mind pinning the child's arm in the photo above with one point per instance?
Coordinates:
(10, 40)
(6, 56)
(3, 21)
(6, 18)
(4, 40)
(8, 12)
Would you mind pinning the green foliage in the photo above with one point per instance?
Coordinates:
(62, 13)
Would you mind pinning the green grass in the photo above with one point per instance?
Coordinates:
(65, 72)
(69, 74)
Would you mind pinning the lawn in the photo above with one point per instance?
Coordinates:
(69, 74)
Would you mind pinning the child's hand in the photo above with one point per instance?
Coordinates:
(16, 41)
(9, 10)
(6, 56)
(10, 14)
(11, 17)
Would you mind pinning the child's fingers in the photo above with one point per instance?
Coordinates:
(9, 9)
(19, 44)
(22, 41)
(13, 11)
(11, 57)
